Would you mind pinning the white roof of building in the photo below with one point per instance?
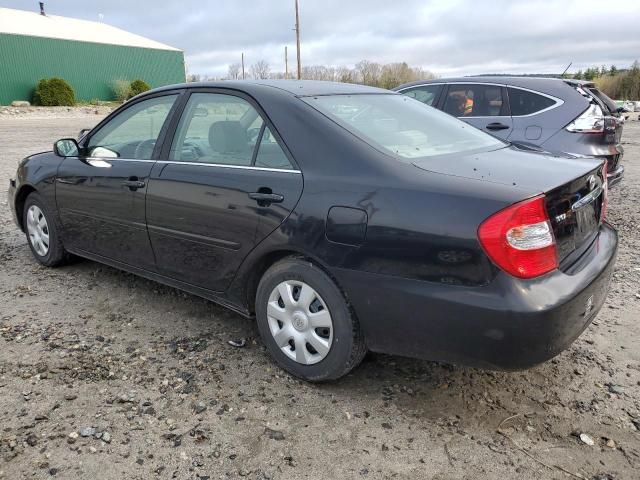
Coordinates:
(20, 22)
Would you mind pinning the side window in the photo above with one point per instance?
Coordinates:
(426, 93)
(217, 128)
(270, 154)
(523, 102)
(134, 132)
(474, 100)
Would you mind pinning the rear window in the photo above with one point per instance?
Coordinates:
(403, 126)
(524, 102)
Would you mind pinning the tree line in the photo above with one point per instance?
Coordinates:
(615, 83)
(365, 72)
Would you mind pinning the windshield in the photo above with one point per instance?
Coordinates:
(403, 126)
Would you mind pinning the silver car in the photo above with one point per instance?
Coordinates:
(556, 115)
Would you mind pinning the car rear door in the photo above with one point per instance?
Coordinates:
(101, 197)
(225, 182)
(483, 105)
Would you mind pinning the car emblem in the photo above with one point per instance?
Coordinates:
(588, 306)
(592, 182)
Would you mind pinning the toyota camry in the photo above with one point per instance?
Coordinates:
(343, 218)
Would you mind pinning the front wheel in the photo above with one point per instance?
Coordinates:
(42, 232)
(306, 323)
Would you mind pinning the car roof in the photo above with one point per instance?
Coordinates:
(551, 86)
(298, 88)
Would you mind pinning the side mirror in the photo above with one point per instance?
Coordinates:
(66, 147)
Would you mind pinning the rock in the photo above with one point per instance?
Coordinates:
(87, 432)
(70, 396)
(20, 103)
(199, 407)
(586, 439)
(274, 434)
(240, 343)
(610, 443)
(387, 426)
(106, 437)
(32, 440)
(617, 389)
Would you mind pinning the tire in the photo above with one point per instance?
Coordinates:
(297, 333)
(45, 243)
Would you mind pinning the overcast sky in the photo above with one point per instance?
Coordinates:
(448, 37)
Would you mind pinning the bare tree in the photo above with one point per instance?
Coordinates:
(369, 72)
(260, 70)
(234, 71)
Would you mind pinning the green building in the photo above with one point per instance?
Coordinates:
(88, 55)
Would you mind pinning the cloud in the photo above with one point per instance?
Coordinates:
(456, 37)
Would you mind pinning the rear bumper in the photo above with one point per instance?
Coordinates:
(509, 324)
(615, 176)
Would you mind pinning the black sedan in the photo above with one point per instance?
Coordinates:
(344, 218)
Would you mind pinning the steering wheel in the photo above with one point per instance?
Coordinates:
(144, 150)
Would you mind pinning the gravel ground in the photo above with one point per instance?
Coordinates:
(106, 375)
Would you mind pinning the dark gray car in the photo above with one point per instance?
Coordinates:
(556, 115)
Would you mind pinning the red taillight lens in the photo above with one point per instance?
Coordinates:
(605, 193)
(519, 239)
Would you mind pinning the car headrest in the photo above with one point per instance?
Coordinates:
(227, 136)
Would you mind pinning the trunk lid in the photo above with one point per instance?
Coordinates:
(576, 210)
(574, 188)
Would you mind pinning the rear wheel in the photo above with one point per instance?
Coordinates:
(306, 323)
(42, 232)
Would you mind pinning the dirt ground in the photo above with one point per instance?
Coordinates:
(108, 376)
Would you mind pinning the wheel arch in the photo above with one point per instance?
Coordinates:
(256, 268)
(21, 198)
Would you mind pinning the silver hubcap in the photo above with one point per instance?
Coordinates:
(300, 322)
(38, 230)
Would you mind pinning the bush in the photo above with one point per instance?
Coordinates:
(121, 90)
(139, 86)
(52, 92)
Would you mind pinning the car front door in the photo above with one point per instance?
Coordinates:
(482, 105)
(101, 196)
(225, 182)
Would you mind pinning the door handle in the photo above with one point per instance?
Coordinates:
(497, 126)
(133, 183)
(264, 199)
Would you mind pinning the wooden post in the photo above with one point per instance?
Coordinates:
(298, 41)
(286, 64)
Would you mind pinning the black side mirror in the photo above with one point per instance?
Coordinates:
(66, 147)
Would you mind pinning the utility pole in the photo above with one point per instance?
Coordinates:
(298, 40)
(243, 65)
(286, 64)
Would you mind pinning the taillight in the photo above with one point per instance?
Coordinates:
(591, 121)
(605, 193)
(519, 239)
